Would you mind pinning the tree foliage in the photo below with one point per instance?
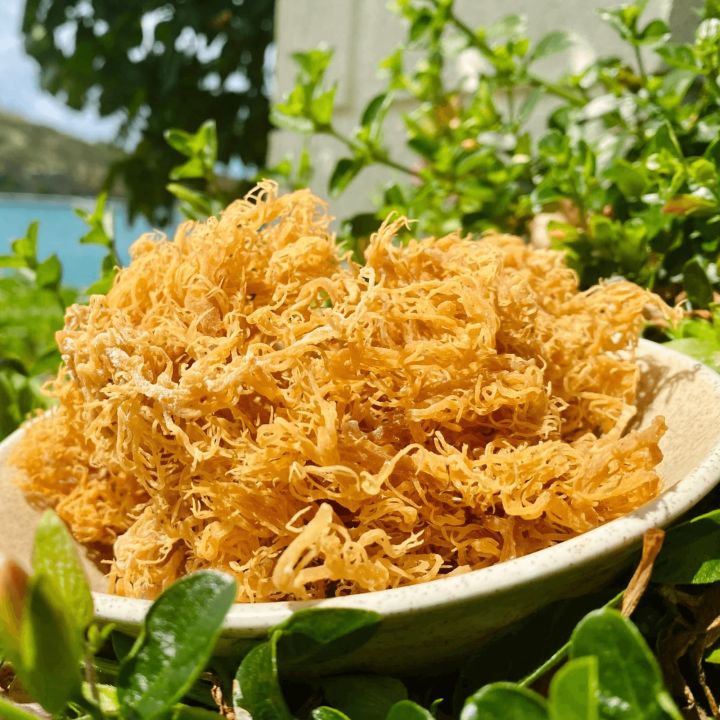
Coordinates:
(160, 63)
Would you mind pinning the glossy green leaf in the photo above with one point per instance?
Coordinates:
(50, 655)
(373, 109)
(321, 634)
(629, 678)
(363, 697)
(55, 556)
(691, 552)
(344, 173)
(327, 713)
(408, 710)
(257, 689)
(714, 657)
(177, 639)
(574, 691)
(504, 700)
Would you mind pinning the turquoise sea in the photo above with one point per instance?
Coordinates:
(60, 229)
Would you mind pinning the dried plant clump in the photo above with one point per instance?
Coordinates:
(245, 398)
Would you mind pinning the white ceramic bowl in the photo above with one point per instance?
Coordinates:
(440, 622)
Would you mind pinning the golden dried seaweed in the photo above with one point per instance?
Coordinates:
(244, 398)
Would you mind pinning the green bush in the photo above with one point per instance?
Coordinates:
(628, 158)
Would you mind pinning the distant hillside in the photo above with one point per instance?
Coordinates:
(37, 159)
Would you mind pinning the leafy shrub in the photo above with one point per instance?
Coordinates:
(76, 668)
(628, 159)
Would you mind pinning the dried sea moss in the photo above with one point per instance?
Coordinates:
(245, 398)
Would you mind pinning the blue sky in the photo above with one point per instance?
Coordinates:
(20, 87)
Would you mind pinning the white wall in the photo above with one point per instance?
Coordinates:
(363, 32)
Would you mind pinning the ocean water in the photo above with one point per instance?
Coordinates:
(60, 229)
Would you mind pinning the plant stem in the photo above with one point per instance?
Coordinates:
(640, 64)
(553, 661)
(375, 157)
(91, 678)
(558, 90)
(559, 655)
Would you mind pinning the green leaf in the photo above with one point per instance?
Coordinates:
(56, 558)
(363, 697)
(504, 700)
(373, 109)
(630, 682)
(50, 656)
(574, 691)
(206, 144)
(408, 710)
(654, 32)
(313, 63)
(664, 138)
(529, 103)
(11, 711)
(321, 634)
(714, 657)
(257, 689)
(630, 178)
(193, 168)
(177, 639)
(510, 26)
(95, 220)
(197, 204)
(179, 140)
(102, 284)
(12, 261)
(327, 713)
(25, 248)
(678, 56)
(691, 553)
(285, 121)
(690, 204)
(322, 108)
(553, 42)
(13, 598)
(343, 174)
(420, 25)
(48, 273)
(696, 283)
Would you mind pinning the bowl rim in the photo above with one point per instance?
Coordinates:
(249, 619)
